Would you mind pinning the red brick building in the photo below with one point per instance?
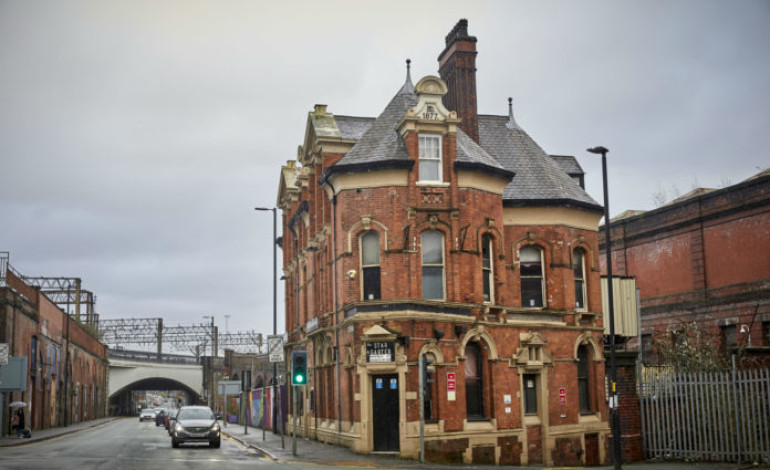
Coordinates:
(67, 365)
(703, 258)
(434, 231)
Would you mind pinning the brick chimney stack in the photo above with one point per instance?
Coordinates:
(457, 67)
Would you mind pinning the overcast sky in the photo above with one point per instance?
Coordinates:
(136, 137)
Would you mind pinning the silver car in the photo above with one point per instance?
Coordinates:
(196, 424)
(147, 413)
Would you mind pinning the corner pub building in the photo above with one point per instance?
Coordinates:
(432, 230)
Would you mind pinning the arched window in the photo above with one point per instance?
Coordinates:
(579, 269)
(430, 390)
(532, 285)
(474, 397)
(487, 272)
(33, 355)
(370, 265)
(584, 379)
(432, 265)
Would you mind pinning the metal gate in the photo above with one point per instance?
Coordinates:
(721, 417)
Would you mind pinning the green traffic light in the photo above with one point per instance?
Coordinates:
(299, 378)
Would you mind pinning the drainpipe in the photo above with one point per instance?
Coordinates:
(66, 368)
(336, 319)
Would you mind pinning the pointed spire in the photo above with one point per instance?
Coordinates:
(408, 86)
(511, 124)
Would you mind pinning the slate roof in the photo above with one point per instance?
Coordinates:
(539, 179)
(353, 128)
(471, 155)
(569, 164)
(505, 149)
(379, 146)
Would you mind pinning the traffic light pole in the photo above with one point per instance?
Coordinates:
(294, 421)
(299, 378)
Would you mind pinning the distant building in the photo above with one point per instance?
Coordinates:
(66, 379)
(703, 258)
(433, 231)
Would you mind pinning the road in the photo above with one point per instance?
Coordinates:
(128, 444)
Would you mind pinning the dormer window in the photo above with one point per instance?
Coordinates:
(430, 158)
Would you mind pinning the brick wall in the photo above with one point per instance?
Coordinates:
(705, 259)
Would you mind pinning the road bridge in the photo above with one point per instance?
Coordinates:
(132, 371)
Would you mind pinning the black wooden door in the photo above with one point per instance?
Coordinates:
(385, 412)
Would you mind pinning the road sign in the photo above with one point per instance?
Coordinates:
(229, 387)
(275, 348)
(4, 353)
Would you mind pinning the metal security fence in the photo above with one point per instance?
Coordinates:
(721, 417)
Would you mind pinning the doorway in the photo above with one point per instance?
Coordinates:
(385, 413)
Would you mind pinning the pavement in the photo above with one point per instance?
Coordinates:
(312, 452)
(53, 433)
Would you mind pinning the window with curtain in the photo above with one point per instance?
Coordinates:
(531, 270)
(487, 268)
(430, 158)
(370, 265)
(579, 270)
(474, 399)
(432, 244)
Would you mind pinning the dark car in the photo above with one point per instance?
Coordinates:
(170, 419)
(196, 424)
(160, 418)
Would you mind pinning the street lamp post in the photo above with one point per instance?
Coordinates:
(615, 415)
(275, 301)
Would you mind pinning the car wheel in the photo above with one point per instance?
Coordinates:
(215, 444)
(174, 443)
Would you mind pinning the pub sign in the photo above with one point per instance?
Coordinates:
(380, 351)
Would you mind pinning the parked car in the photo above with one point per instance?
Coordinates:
(160, 418)
(196, 424)
(147, 413)
(170, 419)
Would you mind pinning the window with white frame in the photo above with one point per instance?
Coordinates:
(432, 265)
(579, 269)
(370, 265)
(487, 268)
(531, 269)
(430, 158)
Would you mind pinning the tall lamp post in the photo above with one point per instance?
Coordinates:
(275, 300)
(615, 415)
